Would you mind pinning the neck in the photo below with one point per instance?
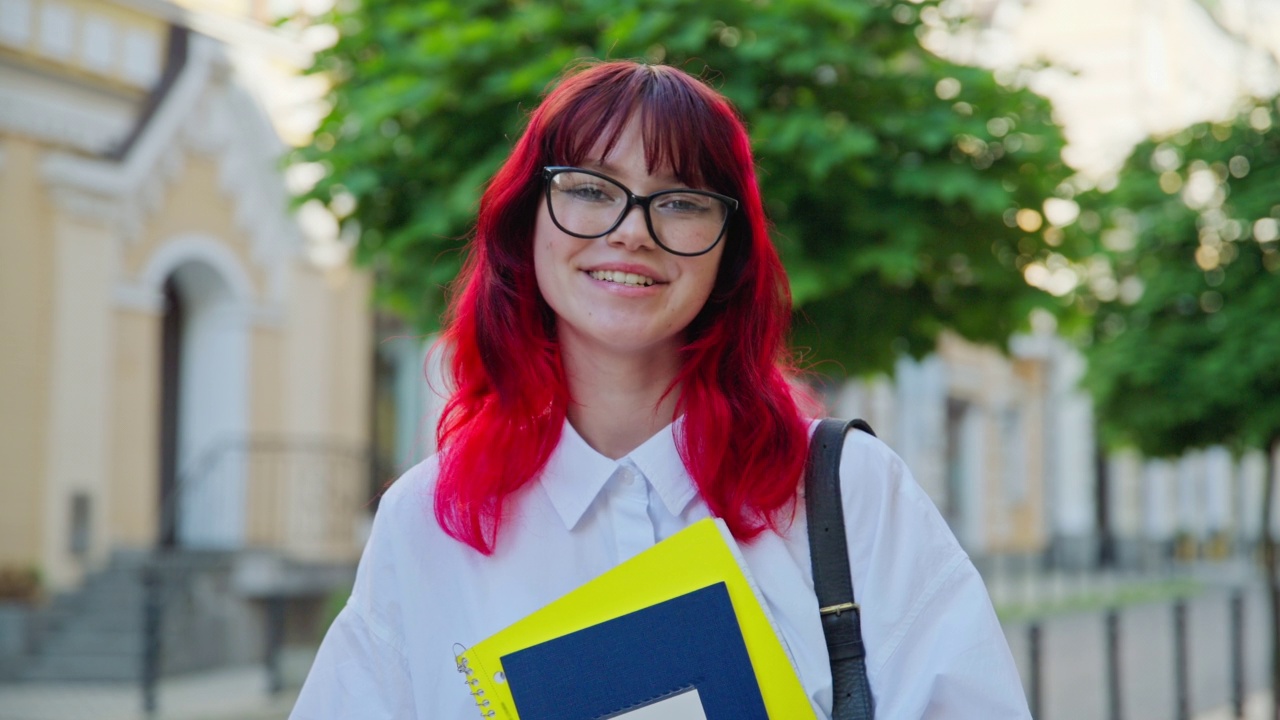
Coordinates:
(618, 400)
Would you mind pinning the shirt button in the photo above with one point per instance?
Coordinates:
(628, 477)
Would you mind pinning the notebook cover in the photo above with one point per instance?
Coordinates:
(699, 555)
(692, 640)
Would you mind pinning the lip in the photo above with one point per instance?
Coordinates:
(618, 289)
(627, 268)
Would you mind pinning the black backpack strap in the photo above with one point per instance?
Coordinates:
(832, 581)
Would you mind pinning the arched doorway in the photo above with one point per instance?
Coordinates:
(203, 409)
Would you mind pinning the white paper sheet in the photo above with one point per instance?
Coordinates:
(685, 706)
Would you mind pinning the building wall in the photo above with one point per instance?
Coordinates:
(27, 262)
(992, 488)
(194, 206)
(80, 388)
(86, 243)
(135, 423)
(1026, 506)
(1007, 399)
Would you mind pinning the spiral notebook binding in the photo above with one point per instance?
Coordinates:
(482, 703)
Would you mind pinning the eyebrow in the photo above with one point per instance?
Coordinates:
(612, 170)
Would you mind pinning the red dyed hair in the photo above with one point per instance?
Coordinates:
(510, 394)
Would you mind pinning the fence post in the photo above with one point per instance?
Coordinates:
(152, 615)
(1113, 663)
(1237, 653)
(1033, 649)
(275, 641)
(1182, 681)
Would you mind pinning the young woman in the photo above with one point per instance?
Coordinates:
(616, 345)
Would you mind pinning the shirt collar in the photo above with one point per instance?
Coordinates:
(659, 460)
(575, 474)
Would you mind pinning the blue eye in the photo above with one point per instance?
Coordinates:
(590, 194)
(684, 204)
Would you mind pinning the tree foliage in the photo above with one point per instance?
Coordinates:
(892, 175)
(1185, 340)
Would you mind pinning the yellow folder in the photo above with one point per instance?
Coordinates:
(700, 555)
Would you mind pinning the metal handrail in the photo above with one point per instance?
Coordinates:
(217, 452)
(348, 493)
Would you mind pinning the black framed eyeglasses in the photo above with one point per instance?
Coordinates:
(587, 204)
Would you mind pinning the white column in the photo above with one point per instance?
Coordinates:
(79, 382)
(1190, 497)
(1159, 500)
(1252, 474)
(1069, 446)
(1219, 488)
(919, 433)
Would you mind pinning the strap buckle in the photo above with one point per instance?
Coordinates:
(837, 609)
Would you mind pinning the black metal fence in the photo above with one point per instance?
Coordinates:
(1171, 659)
(253, 525)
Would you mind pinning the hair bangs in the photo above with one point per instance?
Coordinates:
(680, 121)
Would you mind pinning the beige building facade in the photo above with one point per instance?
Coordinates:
(986, 434)
(169, 341)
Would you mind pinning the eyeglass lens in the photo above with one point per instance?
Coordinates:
(590, 205)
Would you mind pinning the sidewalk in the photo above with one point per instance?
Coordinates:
(241, 694)
(238, 693)
(1256, 707)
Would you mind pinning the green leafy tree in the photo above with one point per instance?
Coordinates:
(1184, 343)
(893, 176)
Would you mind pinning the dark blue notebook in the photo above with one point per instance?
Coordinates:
(691, 641)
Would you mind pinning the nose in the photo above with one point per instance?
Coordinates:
(632, 233)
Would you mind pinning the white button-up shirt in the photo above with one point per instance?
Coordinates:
(934, 646)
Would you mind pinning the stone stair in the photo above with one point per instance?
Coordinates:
(94, 633)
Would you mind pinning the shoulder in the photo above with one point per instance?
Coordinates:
(902, 553)
(417, 483)
(880, 494)
(873, 476)
(403, 524)
(887, 514)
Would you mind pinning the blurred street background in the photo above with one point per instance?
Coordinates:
(1035, 243)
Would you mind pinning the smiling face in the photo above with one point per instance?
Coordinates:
(621, 293)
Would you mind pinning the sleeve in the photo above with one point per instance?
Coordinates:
(361, 670)
(356, 674)
(936, 650)
(953, 660)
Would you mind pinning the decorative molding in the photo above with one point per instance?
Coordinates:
(15, 22)
(86, 206)
(139, 299)
(140, 59)
(122, 179)
(98, 43)
(58, 120)
(57, 30)
(281, 44)
(232, 125)
(206, 112)
(146, 293)
(195, 247)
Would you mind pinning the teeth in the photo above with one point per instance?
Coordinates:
(622, 278)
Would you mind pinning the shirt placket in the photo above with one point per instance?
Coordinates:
(635, 532)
